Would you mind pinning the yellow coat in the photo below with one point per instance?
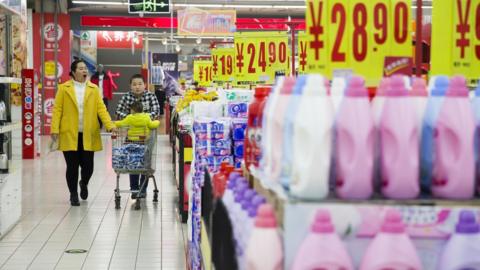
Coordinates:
(139, 124)
(65, 117)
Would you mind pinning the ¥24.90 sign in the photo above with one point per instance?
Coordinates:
(354, 34)
(259, 56)
(456, 38)
(223, 65)
(202, 72)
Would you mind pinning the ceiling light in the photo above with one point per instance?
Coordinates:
(199, 40)
(177, 48)
(99, 3)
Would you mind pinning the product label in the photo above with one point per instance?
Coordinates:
(202, 72)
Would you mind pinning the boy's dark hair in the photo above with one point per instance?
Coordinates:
(136, 76)
(73, 66)
(137, 107)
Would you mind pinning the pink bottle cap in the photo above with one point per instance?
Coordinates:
(266, 217)
(322, 222)
(262, 91)
(356, 87)
(393, 222)
(458, 87)
(397, 87)
(384, 85)
(419, 88)
(288, 85)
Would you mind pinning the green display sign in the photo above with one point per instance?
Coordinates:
(149, 6)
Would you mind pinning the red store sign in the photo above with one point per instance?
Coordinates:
(28, 114)
(119, 40)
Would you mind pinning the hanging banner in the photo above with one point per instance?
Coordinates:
(260, 56)
(63, 53)
(118, 40)
(30, 136)
(202, 72)
(223, 65)
(456, 38)
(356, 35)
(88, 47)
(168, 62)
(198, 22)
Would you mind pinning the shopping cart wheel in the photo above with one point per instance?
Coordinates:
(137, 204)
(117, 202)
(155, 196)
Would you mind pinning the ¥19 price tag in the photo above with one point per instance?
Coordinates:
(354, 34)
(203, 72)
(223, 62)
(259, 56)
(456, 38)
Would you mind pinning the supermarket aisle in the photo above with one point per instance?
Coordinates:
(152, 238)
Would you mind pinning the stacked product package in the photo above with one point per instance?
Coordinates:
(239, 125)
(212, 144)
(130, 157)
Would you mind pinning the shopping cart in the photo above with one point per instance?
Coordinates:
(134, 155)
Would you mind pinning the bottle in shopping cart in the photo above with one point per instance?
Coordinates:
(391, 248)
(293, 107)
(255, 110)
(399, 144)
(462, 249)
(312, 141)
(322, 248)
(264, 249)
(355, 133)
(427, 146)
(453, 175)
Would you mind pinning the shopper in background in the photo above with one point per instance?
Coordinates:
(104, 82)
(74, 123)
(150, 106)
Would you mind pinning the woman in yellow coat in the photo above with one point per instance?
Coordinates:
(78, 106)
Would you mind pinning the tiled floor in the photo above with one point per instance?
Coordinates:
(152, 238)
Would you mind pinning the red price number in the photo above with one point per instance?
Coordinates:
(261, 55)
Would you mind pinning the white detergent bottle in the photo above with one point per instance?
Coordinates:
(265, 249)
(312, 142)
(337, 92)
(267, 123)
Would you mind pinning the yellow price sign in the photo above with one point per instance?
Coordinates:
(456, 38)
(259, 56)
(354, 34)
(202, 72)
(223, 65)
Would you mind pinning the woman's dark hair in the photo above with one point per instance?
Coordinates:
(74, 65)
(136, 76)
(137, 107)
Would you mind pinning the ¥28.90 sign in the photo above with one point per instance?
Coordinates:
(456, 38)
(259, 56)
(202, 72)
(223, 65)
(354, 34)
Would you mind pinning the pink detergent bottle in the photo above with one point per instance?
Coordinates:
(453, 175)
(391, 248)
(355, 143)
(277, 127)
(264, 249)
(322, 249)
(399, 138)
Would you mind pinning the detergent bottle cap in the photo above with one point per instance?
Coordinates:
(457, 87)
(419, 88)
(356, 87)
(262, 91)
(393, 222)
(467, 223)
(322, 222)
(440, 86)
(265, 217)
(397, 87)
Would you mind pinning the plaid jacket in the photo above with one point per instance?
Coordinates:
(150, 105)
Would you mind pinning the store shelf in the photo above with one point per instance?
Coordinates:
(10, 127)
(10, 79)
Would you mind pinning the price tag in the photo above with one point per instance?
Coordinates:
(354, 34)
(259, 56)
(202, 72)
(456, 38)
(223, 65)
